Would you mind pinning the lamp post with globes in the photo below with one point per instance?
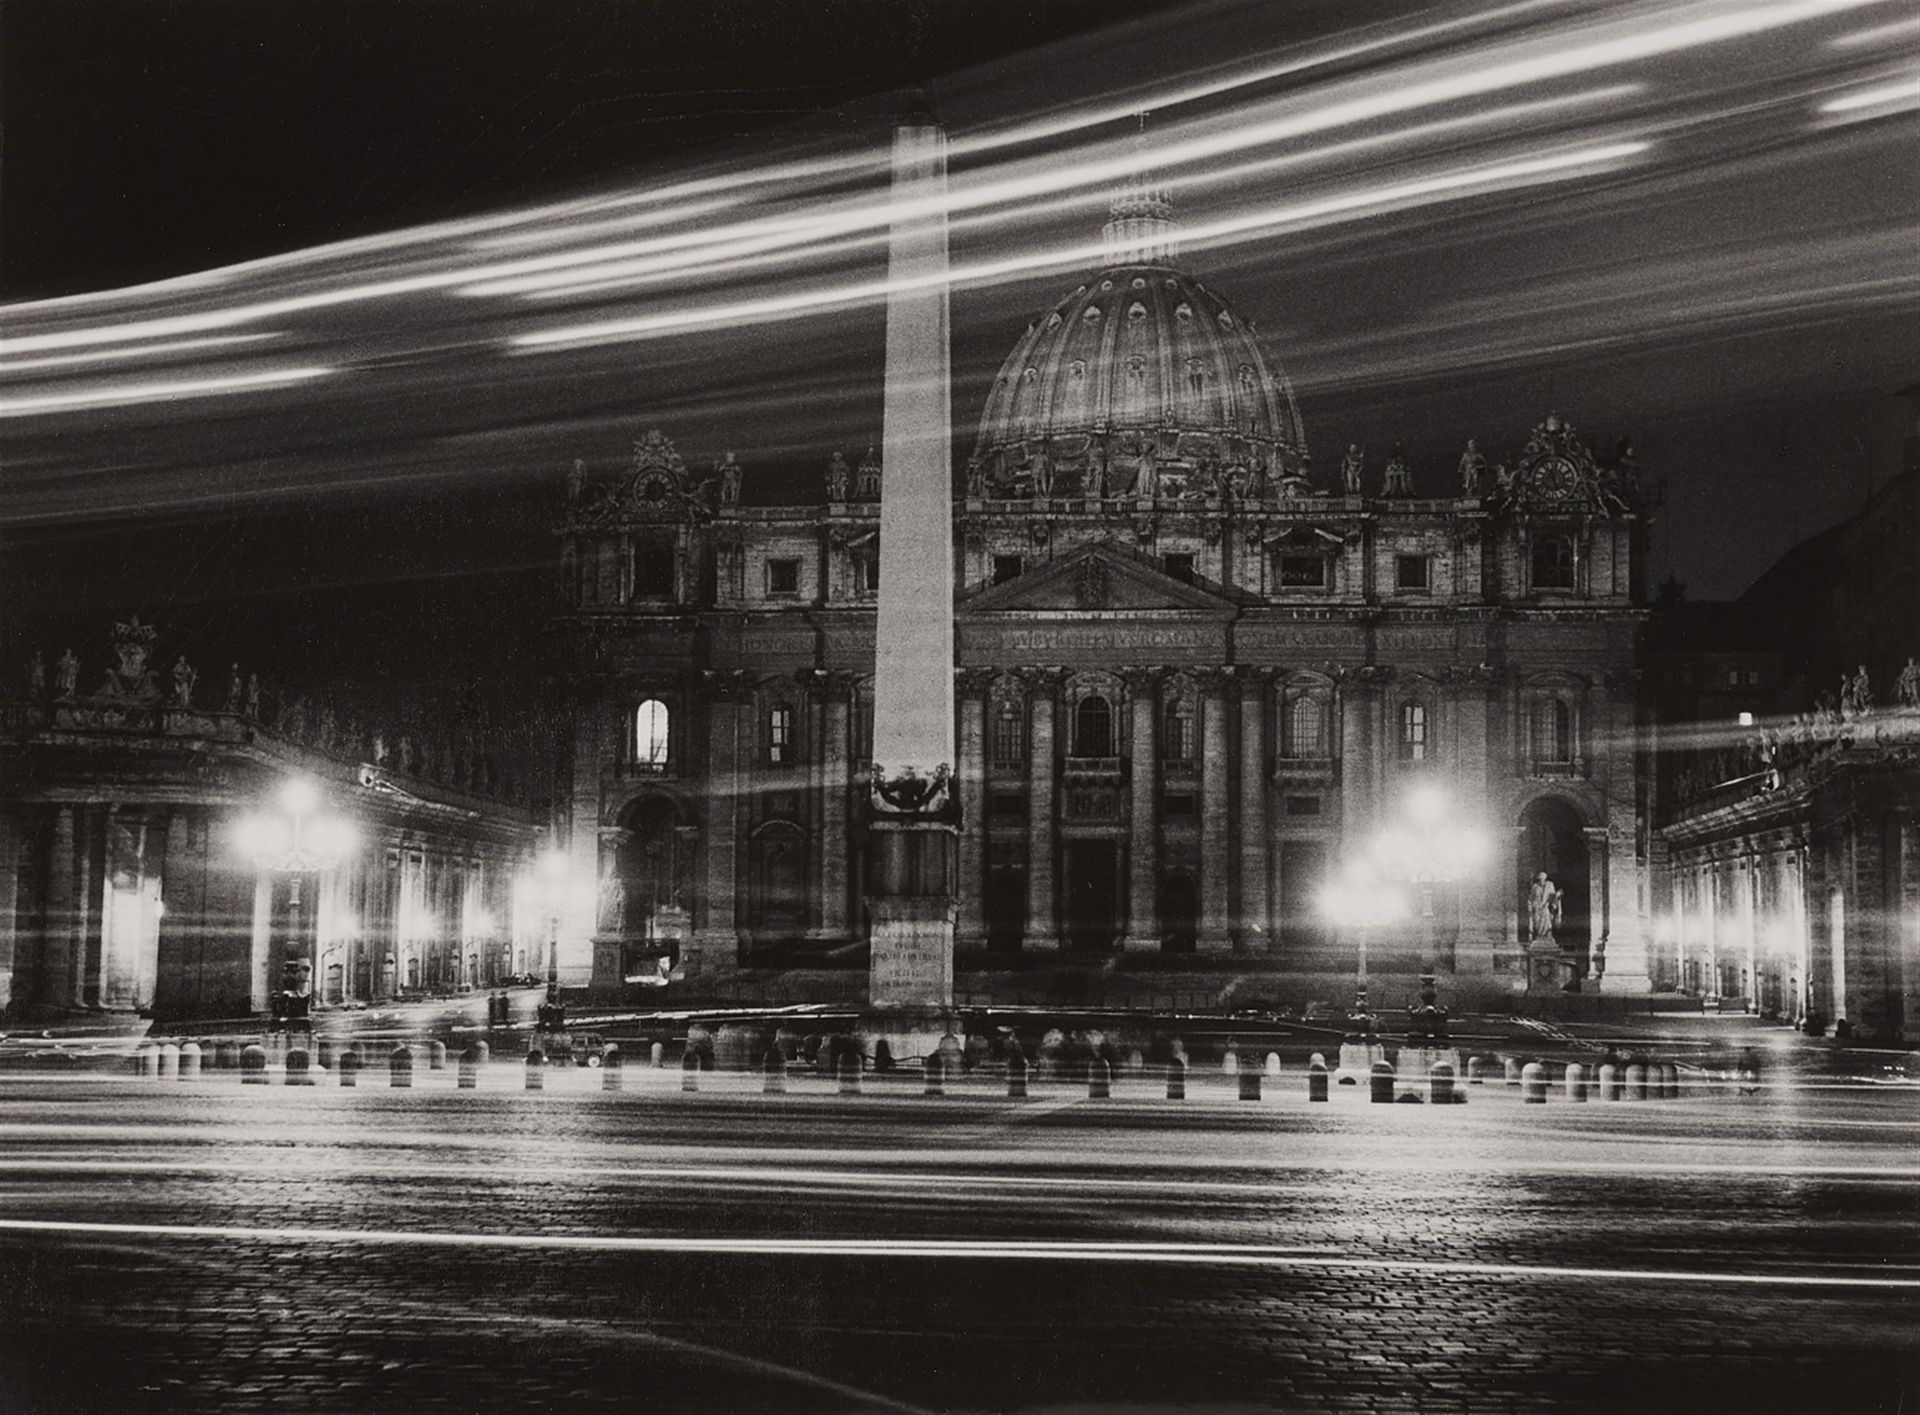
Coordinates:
(553, 893)
(1430, 847)
(296, 839)
(1358, 900)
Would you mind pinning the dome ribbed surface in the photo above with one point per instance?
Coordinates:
(1142, 351)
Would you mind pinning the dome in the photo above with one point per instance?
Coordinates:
(1142, 356)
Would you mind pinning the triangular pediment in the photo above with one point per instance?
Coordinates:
(1094, 578)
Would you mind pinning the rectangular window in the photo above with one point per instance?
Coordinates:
(1178, 804)
(1009, 733)
(779, 734)
(1413, 572)
(867, 571)
(1305, 735)
(1413, 732)
(1008, 805)
(1178, 567)
(1303, 805)
(1303, 572)
(783, 577)
(653, 572)
(1006, 567)
(1553, 563)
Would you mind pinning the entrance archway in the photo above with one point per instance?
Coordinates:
(1553, 839)
(1093, 895)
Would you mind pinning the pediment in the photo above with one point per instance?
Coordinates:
(1094, 578)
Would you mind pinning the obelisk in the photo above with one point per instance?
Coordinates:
(913, 817)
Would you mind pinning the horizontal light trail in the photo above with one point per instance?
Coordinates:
(1070, 1251)
(118, 394)
(1468, 181)
(1905, 89)
(142, 351)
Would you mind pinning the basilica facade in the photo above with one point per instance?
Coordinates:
(1196, 670)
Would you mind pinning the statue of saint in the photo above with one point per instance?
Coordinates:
(1907, 688)
(253, 696)
(37, 674)
(1473, 469)
(66, 674)
(1093, 481)
(976, 480)
(1399, 476)
(1543, 909)
(1042, 467)
(576, 479)
(1350, 468)
(839, 478)
(184, 677)
(869, 485)
(236, 690)
(1856, 694)
(729, 481)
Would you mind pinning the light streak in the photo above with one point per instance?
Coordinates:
(987, 1250)
(116, 394)
(1908, 88)
(1874, 34)
(1475, 179)
(145, 351)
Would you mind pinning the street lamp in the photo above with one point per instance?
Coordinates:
(553, 890)
(1429, 848)
(1357, 900)
(295, 840)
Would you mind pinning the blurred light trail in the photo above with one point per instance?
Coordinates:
(145, 351)
(1471, 181)
(1059, 1251)
(1876, 34)
(115, 394)
(1904, 92)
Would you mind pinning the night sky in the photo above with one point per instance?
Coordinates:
(1740, 299)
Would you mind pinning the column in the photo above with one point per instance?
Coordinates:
(598, 726)
(717, 939)
(53, 977)
(1597, 922)
(1143, 848)
(837, 787)
(9, 882)
(183, 873)
(1710, 916)
(1749, 877)
(1486, 897)
(1904, 891)
(1679, 878)
(1626, 935)
(1042, 932)
(1255, 919)
(1356, 758)
(1797, 920)
(1215, 930)
(970, 929)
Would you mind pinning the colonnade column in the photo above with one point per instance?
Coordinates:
(1143, 843)
(717, 938)
(836, 791)
(970, 770)
(1255, 916)
(1042, 931)
(1215, 935)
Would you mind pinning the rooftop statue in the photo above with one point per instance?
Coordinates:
(1399, 480)
(1907, 688)
(1351, 466)
(839, 477)
(1473, 469)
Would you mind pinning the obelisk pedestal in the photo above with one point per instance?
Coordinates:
(913, 815)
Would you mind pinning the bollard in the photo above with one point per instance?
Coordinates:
(536, 1069)
(612, 1068)
(1636, 1081)
(1249, 1080)
(226, 1056)
(436, 1056)
(146, 1061)
(1176, 1078)
(934, 1068)
(349, 1067)
(169, 1060)
(1576, 1081)
(1474, 1078)
(1513, 1072)
(190, 1062)
(1380, 1083)
(1533, 1084)
(253, 1064)
(1229, 1061)
(1440, 1083)
(469, 1074)
(1609, 1081)
(298, 1072)
(850, 1072)
(1273, 1066)
(776, 1071)
(400, 1068)
(1099, 1079)
(1317, 1078)
(324, 1053)
(690, 1070)
(657, 1055)
(1016, 1076)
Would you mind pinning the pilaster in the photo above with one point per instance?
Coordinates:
(1215, 824)
(716, 939)
(1042, 932)
(972, 685)
(1255, 930)
(837, 793)
(1143, 848)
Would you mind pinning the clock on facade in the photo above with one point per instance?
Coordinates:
(1554, 479)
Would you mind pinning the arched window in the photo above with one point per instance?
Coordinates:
(1179, 743)
(1305, 729)
(1093, 727)
(1009, 733)
(779, 734)
(1552, 732)
(1553, 563)
(1413, 732)
(650, 735)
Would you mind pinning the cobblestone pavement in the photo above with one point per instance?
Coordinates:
(171, 1246)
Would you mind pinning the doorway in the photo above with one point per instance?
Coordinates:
(1179, 913)
(1093, 896)
(1552, 840)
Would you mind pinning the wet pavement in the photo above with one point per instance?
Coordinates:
(170, 1246)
